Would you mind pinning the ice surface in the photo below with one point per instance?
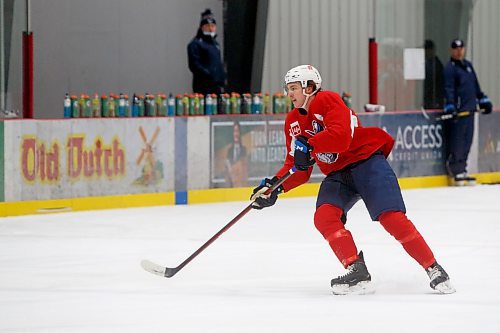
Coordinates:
(80, 272)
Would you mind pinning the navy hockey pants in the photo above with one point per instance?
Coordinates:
(460, 133)
(371, 180)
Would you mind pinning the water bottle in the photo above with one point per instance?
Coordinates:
(67, 106)
(185, 104)
(111, 105)
(121, 105)
(246, 103)
(75, 107)
(141, 104)
(209, 103)
(96, 106)
(161, 104)
(235, 103)
(266, 108)
(179, 108)
(257, 103)
(135, 106)
(104, 106)
(170, 105)
(202, 104)
(127, 106)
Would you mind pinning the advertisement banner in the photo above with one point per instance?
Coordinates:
(419, 148)
(55, 159)
(489, 142)
(246, 149)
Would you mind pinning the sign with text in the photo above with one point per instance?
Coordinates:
(245, 150)
(419, 148)
(87, 157)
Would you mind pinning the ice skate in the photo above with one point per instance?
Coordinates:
(440, 280)
(463, 179)
(357, 281)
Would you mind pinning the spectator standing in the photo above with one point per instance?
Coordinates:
(204, 58)
(462, 96)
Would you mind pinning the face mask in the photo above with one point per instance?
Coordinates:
(208, 33)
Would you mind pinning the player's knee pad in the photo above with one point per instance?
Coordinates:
(399, 226)
(327, 219)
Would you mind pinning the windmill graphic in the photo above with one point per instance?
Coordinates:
(152, 170)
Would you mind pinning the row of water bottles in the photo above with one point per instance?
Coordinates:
(151, 105)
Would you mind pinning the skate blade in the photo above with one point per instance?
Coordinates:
(460, 183)
(362, 288)
(445, 287)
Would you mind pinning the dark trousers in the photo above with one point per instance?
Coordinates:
(460, 133)
(371, 180)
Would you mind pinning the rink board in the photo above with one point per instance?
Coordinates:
(62, 159)
(45, 163)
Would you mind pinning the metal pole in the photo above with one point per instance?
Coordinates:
(28, 17)
(2, 57)
(28, 66)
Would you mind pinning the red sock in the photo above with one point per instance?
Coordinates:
(399, 226)
(327, 221)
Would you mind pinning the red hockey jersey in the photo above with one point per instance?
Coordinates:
(334, 133)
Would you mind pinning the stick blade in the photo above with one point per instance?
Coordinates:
(153, 268)
(159, 270)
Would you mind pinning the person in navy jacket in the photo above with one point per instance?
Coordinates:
(204, 58)
(462, 95)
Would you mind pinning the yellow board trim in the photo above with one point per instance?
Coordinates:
(243, 193)
(87, 203)
(196, 196)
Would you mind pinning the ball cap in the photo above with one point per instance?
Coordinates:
(457, 43)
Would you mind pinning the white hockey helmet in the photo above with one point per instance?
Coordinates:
(302, 74)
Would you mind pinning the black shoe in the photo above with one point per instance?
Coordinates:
(355, 281)
(440, 280)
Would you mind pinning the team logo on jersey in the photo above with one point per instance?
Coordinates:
(295, 129)
(316, 128)
(327, 157)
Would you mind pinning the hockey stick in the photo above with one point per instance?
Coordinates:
(448, 116)
(169, 272)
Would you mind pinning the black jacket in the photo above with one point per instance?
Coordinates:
(205, 62)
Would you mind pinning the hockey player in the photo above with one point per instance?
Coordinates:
(322, 129)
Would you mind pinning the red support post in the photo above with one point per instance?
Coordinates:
(373, 71)
(28, 75)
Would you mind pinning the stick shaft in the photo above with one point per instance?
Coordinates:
(172, 271)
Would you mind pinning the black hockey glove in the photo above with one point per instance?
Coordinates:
(485, 105)
(302, 155)
(261, 199)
